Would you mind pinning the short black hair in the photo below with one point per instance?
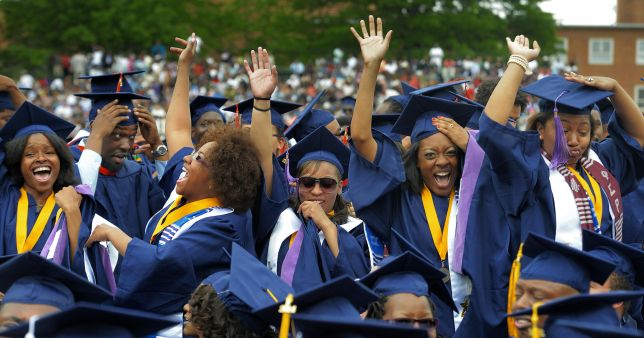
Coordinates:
(15, 148)
(485, 89)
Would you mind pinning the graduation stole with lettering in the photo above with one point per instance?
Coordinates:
(176, 212)
(26, 242)
(438, 236)
(599, 177)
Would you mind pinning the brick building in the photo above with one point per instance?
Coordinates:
(616, 51)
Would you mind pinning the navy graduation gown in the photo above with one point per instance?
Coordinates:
(383, 200)
(634, 215)
(521, 177)
(10, 194)
(129, 198)
(173, 170)
(316, 263)
(161, 278)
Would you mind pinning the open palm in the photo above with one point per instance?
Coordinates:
(372, 43)
(262, 76)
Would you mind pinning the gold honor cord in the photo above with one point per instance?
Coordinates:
(26, 243)
(512, 287)
(595, 194)
(438, 236)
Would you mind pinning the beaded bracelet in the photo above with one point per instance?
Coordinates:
(261, 98)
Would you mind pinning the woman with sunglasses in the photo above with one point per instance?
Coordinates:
(186, 241)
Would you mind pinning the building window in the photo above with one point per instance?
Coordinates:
(639, 51)
(600, 51)
(639, 96)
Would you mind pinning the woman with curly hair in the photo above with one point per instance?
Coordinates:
(186, 241)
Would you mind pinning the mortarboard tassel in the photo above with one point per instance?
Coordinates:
(119, 84)
(514, 278)
(560, 152)
(237, 119)
(345, 136)
(536, 332)
(286, 309)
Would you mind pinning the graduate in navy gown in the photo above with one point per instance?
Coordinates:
(205, 114)
(185, 241)
(304, 243)
(554, 180)
(125, 192)
(412, 193)
(37, 185)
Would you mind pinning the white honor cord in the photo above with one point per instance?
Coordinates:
(32, 327)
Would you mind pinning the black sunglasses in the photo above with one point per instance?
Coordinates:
(326, 183)
(423, 323)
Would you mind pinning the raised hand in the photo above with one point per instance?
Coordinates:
(108, 117)
(148, 125)
(187, 54)
(6, 83)
(521, 46)
(372, 44)
(599, 82)
(67, 198)
(457, 134)
(263, 76)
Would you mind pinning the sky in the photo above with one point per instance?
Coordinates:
(581, 12)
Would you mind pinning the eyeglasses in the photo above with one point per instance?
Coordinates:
(196, 156)
(428, 323)
(326, 184)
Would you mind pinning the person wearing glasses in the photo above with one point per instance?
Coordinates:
(205, 115)
(186, 240)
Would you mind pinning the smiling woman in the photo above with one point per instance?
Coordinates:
(37, 179)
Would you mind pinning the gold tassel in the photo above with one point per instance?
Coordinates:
(286, 309)
(514, 278)
(534, 319)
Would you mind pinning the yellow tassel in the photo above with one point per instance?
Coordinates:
(286, 309)
(514, 278)
(534, 319)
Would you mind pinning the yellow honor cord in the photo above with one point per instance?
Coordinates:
(26, 242)
(512, 287)
(534, 319)
(174, 214)
(438, 236)
(286, 309)
(268, 291)
(595, 193)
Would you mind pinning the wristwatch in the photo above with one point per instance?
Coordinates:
(161, 150)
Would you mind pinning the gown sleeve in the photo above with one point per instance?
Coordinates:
(351, 260)
(375, 186)
(269, 207)
(622, 155)
(161, 278)
(514, 158)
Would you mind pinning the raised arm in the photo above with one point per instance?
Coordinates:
(263, 80)
(178, 129)
(8, 85)
(501, 101)
(373, 47)
(626, 109)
